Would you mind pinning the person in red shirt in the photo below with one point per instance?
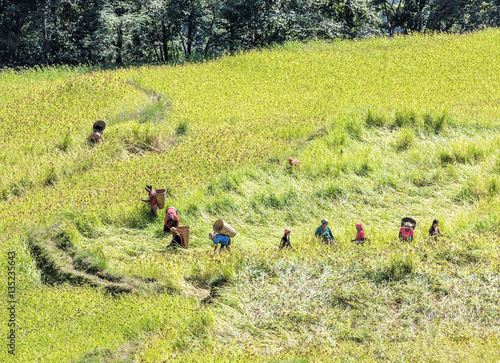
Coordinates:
(360, 235)
(153, 205)
(170, 226)
(171, 219)
(406, 232)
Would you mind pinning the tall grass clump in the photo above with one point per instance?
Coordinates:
(90, 262)
(404, 139)
(462, 151)
(396, 269)
(405, 118)
(66, 142)
(436, 122)
(51, 176)
(376, 119)
(182, 128)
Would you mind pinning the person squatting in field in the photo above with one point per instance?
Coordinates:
(221, 239)
(406, 232)
(293, 162)
(324, 232)
(434, 230)
(170, 226)
(153, 205)
(360, 235)
(285, 240)
(96, 137)
(98, 129)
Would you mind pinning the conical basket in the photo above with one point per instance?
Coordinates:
(99, 126)
(160, 198)
(410, 220)
(184, 232)
(222, 227)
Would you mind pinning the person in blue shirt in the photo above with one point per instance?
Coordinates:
(324, 232)
(223, 240)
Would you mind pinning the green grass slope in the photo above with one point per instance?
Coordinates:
(383, 128)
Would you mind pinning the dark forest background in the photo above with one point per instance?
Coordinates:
(138, 31)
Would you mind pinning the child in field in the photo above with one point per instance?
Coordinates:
(406, 232)
(360, 235)
(153, 205)
(285, 240)
(434, 230)
(223, 240)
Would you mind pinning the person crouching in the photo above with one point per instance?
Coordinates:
(285, 240)
(360, 234)
(406, 232)
(170, 226)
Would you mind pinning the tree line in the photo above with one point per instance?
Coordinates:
(48, 32)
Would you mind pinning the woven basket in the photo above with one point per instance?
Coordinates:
(222, 228)
(410, 220)
(99, 126)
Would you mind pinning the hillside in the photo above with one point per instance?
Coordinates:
(383, 129)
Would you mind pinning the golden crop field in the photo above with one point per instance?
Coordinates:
(383, 128)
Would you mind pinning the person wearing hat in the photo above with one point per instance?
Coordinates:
(324, 232)
(406, 232)
(285, 240)
(153, 205)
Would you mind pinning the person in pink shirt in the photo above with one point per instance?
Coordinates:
(360, 235)
(406, 232)
(293, 163)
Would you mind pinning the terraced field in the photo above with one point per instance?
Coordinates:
(383, 128)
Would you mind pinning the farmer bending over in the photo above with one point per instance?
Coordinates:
(285, 240)
(171, 219)
(96, 137)
(434, 230)
(360, 235)
(170, 226)
(324, 232)
(223, 240)
(406, 232)
(293, 162)
(152, 200)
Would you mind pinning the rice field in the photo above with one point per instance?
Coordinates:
(383, 129)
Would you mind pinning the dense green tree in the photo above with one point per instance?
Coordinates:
(118, 31)
(438, 15)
